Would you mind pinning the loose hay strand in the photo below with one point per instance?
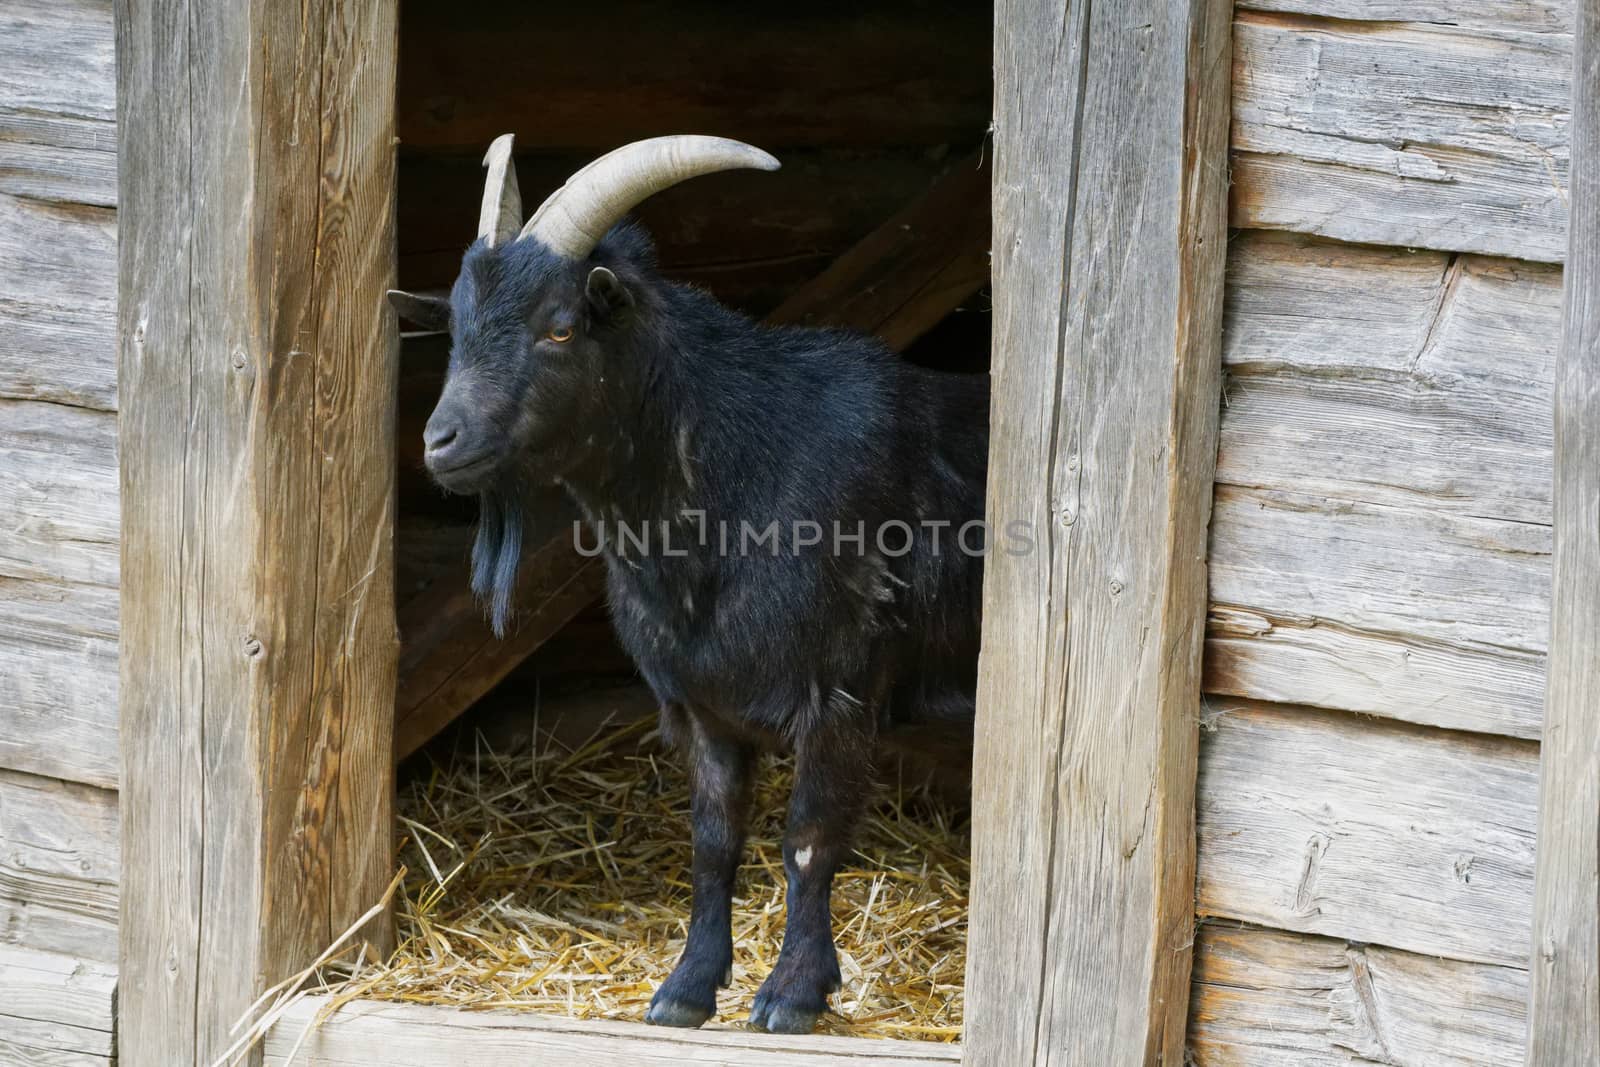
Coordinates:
(556, 881)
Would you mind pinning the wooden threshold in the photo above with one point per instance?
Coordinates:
(415, 1035)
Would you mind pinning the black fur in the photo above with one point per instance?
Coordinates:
(667, 412)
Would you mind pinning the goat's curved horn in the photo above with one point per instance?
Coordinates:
(574, 218)
(501, 214)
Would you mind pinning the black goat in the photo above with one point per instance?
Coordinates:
(790, 518)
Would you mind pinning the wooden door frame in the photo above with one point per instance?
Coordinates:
(257, 371)
(1564, 1008)
(1110, 214)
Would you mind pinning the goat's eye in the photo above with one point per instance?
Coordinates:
(559, 334)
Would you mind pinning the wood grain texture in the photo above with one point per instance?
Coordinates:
(1326, 823)
(58, 867)
(1386, 420)
(57, 101)
(1108, 269)
(1538, 16)
(59, 493)
(1264, 998)
(897, 282)
(1419, 577)
(1354, 355)
(1416, 134)
(408, 1035)
(1565, 1015)
(56, 1010)
(58, 306)
(58, 599)
(258, 376)
(58, 680)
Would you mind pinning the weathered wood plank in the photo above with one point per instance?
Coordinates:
(1341, 359)
(1303, 659)
(1406, 396)
(58, 867)
(258, 376)
(1263, 998)
(56, 1009)
(20, 1054)
(1336, 589)
(161, 791)
(408, 1035)
(57, 169)
(57, 101)
(57, 57)
(351, 183)
(58, 308)
(59, 493)
(466, 80)
(1326, 823)
(1107, 323)
(58, 600)
(58, 680)
(1538, 16)
(1565, 1016)
(1403, 134)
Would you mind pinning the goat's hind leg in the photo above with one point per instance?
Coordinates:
(719, 790)
(833, 775)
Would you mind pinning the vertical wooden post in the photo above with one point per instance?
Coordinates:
(1109, 232)
(258, 375)
(1564, 1020)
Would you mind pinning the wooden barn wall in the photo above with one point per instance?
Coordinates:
(1381, 534)
(1379, 550)
(58, 534)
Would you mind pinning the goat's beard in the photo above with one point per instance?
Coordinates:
(496, 552)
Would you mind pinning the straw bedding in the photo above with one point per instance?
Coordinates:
(555, 879)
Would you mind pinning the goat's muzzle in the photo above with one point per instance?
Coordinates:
(459, 458)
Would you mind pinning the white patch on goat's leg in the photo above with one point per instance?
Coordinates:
(802, 857)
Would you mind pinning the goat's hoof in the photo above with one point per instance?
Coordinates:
(783, 1013)
(780, 1018)
(666, 1011)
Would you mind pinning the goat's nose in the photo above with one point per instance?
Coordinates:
(440, 434)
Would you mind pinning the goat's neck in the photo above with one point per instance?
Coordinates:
(635, 473)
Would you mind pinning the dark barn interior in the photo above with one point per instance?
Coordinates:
(878, 220)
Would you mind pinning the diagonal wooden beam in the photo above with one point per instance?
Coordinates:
(449, 657)
(898, 282)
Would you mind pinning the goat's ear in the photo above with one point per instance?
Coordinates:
(423, 309)
(606, 293)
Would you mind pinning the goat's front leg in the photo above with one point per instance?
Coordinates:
(719, 792)
(833, 774)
